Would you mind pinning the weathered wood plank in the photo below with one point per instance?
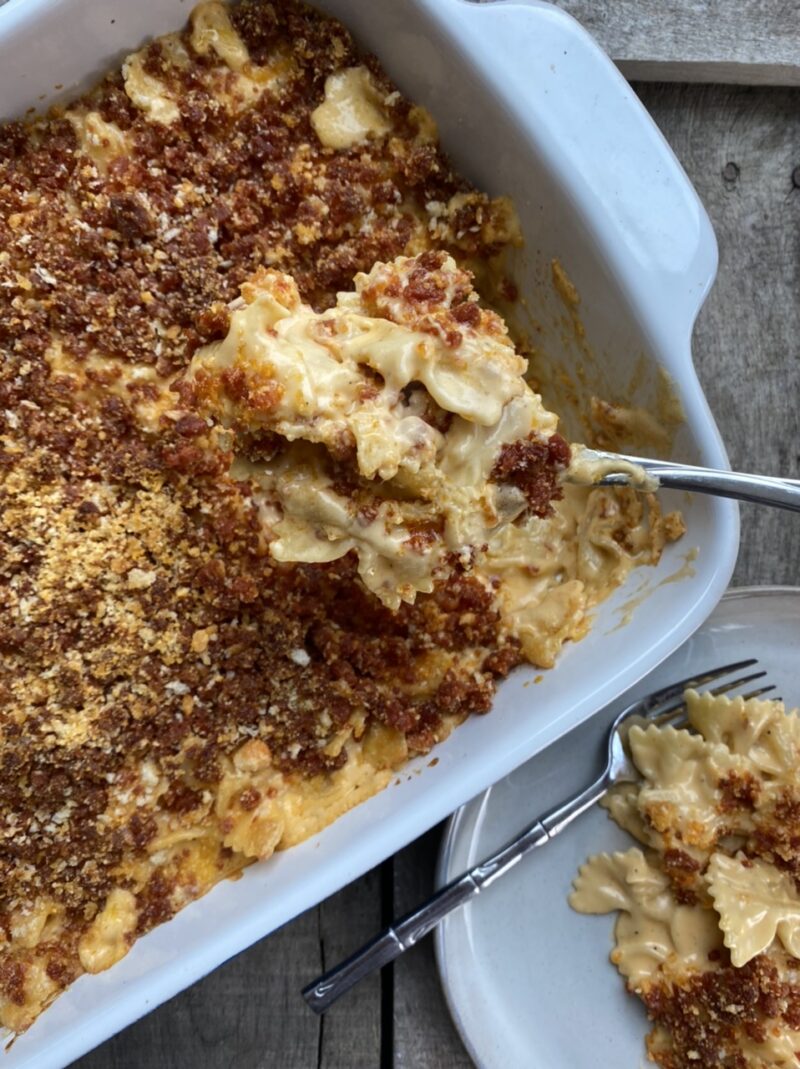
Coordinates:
(750, 41)
(351, 1030)
(423, 1034)
(245, 1013)
(741, 148)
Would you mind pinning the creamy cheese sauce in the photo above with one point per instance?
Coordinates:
(101, 141)
(589, 468)
(241, 82)
(97, 375)
(352, 110)
(147, 92)
(237, 83)
(652, 929)
(366, 373)
(347, 375)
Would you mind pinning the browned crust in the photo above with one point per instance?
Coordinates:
(708, 1016)
(534, 465)
(137, 593)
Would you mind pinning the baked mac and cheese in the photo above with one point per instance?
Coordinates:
(392, 418)
(187, 683)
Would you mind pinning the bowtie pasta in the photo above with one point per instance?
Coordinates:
(708, 933)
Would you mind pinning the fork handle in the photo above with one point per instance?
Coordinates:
(405, 933)
(757, 489)
(408, 931)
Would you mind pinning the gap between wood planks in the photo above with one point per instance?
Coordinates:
(387, 974)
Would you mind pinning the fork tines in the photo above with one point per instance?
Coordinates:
(675, 690)
(675, 713)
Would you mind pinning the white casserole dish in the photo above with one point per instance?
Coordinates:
(527, 105)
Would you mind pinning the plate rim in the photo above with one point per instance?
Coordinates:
(451, 832)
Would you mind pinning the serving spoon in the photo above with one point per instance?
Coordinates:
(596, 467)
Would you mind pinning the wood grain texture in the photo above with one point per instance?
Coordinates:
(741, 148)
(750, 41)
(350, 1035)
(242, 1015)
(423, 1034)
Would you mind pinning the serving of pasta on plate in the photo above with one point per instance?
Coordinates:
(708, 933)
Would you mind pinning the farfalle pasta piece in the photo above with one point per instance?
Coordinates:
(760, 730)
(681, 796)
(111, 933)
(620, 880)
(650, 932)
(622, 805)
(628, 883)
(756, 903)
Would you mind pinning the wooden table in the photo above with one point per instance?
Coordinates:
(740, 145)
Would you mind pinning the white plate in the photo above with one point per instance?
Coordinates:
(527, 980)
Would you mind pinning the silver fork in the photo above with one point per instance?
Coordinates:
(757, 489)
(664, 707)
